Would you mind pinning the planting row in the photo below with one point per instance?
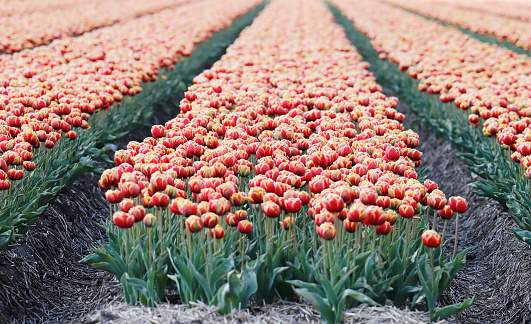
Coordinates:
(25, 31)
(287, 170)
(487, 86)
(43, 112)
(9, 8)
(510, 9)
(514, 31)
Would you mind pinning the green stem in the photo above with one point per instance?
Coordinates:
(434, 219)
(456, 230)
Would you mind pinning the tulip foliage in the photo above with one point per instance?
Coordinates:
(286, 171)
(52, 131)
(491, 126)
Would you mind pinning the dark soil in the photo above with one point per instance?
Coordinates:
(497, 269)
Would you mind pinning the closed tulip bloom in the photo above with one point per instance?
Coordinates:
(138, 212)
(334, 203)
(271, 209)
(384, 229)
(149, 220)
(238, 198)
(406, 211)
(327, 231)
(351, 227)
(431, 239)
(126, 205)
(436, 201)
(123, 220)
(241, 214)
(210, 220)
(245, 227)
(375, 216)
(130, 189)
(232, 220)
(113, 196)
(357, 213)
(288, 223)
(293, 205)
(194, 224)
(217, 232)
(458, 204)
(255, 195)
(161, 200)
(446, 213)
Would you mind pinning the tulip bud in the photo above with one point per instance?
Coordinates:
(126, 205)
(334, 203)
(406, 210)
(161, 200)
(431, 239)
(288, 223)
(351, 227)
(123, 220)
(293, 205)
(446, 213)
(271, 209)
(217, 232)
(240, 215)
(327, 231)
(384, 229)
(232, 220)
(375, 216)
(458, 204)
(245, 227)
(194, 224)
(210, 220)
(138, 212)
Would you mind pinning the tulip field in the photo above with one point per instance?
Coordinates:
(285, 171)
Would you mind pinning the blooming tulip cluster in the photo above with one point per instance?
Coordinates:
(26, 30)
(285, 146)
(281, 128)
(48, 92)
(510, 9)
(499, 26)
(489, 82)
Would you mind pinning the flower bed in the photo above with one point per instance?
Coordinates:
(287, 170)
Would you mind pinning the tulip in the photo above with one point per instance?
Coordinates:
(241, 214)
(334, 203)
(431, 239)
(149, 220)
(406, 211)
(138, 212)
(210, 220)
(194, 224)
(123, 220)
(238, 199)
(383, 229)
(245, 227)
(126, 205)
(288, 223)
(293, 205)
(161, 200)
(217, 232)
(271, 209)
(375, 216)
(458, 204)
(327, 231)
(232, 220)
